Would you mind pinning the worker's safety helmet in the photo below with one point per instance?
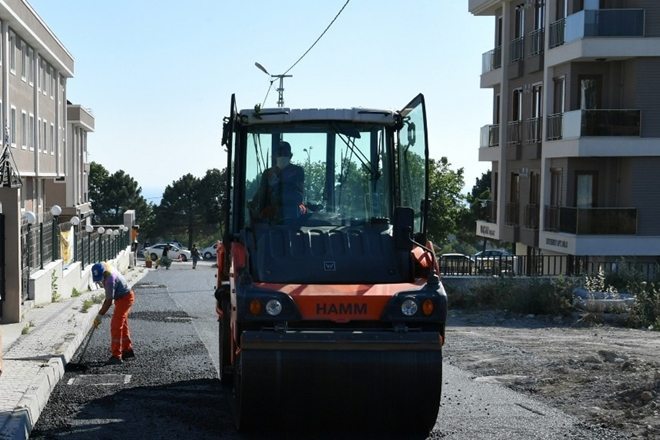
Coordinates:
(97, 272)
(284, 150)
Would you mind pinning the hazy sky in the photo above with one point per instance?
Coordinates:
(158, 74)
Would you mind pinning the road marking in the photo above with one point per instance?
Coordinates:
(100, 379)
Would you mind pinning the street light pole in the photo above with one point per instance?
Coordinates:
(31, 219)
(75, 221)
(55, 210)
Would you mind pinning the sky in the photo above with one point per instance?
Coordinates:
(158, 74)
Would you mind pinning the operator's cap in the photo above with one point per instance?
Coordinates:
(97, 272)
(284, 150)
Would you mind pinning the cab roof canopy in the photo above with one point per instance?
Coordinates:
(285, 115)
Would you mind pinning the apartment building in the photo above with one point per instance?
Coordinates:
(38, 162)
(574, 141)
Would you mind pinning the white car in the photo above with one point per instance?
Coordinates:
(156, 251)
(210, 252)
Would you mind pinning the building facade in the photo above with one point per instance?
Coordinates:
(34, 115)
(575, 138)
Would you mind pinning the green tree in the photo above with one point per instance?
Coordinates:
(478, 203)
(179, 210)
(447, 201)
(211, 195)
(113, 194)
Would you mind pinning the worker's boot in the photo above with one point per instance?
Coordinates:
(128, 354)
(114, 361)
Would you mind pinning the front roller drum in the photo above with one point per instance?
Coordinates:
(365, 385)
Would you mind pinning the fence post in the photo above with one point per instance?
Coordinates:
(41, 244)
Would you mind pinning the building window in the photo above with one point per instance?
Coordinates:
(31, 132)
(51, 140)
(585, 189)
(537, 100)
(539, 14)
(30, 63)
(53, 84)
(560, 93)
(12, 52)
(42, 74)
(12, 126)
(591, 87)
(24, 129)
(24, 61)
(517, 105)
(45, 133)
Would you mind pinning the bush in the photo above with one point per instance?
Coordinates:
(537, 296)
(646, 310)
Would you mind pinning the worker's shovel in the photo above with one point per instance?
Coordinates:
(80, 366)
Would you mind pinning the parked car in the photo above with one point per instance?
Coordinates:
(496, 262)
(211, 251)
(175, 253)
(456, 264)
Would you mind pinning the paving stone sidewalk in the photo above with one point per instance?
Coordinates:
(35, 353)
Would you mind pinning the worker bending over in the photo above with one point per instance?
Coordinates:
(117, 290)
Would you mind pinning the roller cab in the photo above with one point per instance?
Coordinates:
(331, 312)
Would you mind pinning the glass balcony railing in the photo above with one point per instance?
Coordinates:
(578, 123)
(490, 136)
(491, 60)
(598, 23)
(591, 221)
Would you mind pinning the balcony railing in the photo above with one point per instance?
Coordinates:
(517, 49)
(490, 136)
(514, 132)
(531, 219)
(537, 42)
(512, 214)
(555, 126)
(533, 130)
(578, 123)
(591, 221)
(598, 23)
(491, 60)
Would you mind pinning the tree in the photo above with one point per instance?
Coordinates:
(179, 210)
(212, 195)
(447, 202)
(113, 194)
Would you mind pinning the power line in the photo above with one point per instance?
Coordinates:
(317, 40)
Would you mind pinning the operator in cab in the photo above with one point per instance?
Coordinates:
(279, 198)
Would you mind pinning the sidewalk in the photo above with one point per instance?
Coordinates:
(34, 362)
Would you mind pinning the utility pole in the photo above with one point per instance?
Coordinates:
(280, 88)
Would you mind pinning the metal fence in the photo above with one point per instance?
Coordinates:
(549, 265)
(42, 243)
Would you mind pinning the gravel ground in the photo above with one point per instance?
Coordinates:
(607, 376)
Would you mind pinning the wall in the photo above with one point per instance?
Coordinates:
(647, 94)
(645, 193)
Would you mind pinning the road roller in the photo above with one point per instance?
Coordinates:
(330, 308)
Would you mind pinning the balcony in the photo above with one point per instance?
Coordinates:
(597, 23)
(591, 221)
(533, 130)
(490, 136)
(514, 133)
(537, 42)
(517, 49)
(491, 60)
(579, 123)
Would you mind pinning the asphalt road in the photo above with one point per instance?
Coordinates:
(171, 389)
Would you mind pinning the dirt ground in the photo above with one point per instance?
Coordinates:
(605, 375)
